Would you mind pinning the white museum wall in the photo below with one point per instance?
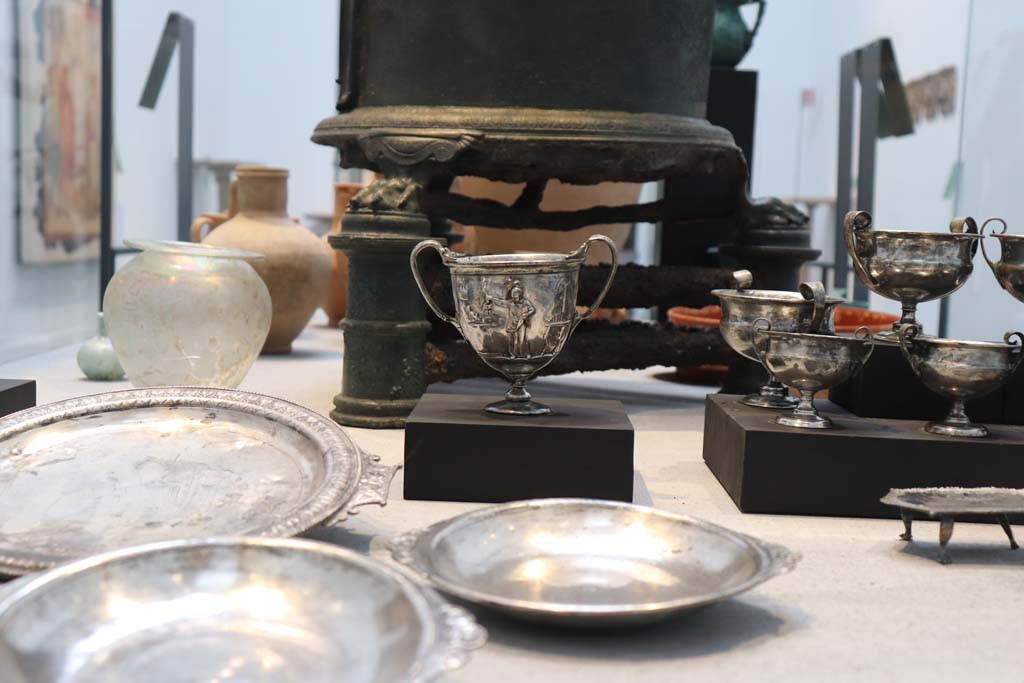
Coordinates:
(799, 47)
(265, 75)
(991, 176)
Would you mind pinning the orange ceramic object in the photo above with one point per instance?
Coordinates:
(848, 318)
(336, 295)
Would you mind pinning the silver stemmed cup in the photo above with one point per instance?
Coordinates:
(1009, 269)
(809, 363)
(910, 267)
(808, 310)
(515, 310)
(960, 370)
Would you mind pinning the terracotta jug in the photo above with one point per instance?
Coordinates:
(295, 268)
(336, 293)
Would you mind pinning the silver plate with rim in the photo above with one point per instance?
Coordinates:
(242, 609)
(585, 562)
(112, 470)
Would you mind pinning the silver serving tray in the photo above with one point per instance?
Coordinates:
(243, 609)
(112, 470)
(954, 500)
(588, 562)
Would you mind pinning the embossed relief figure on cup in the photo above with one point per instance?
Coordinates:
(519, 311)
(514, 319)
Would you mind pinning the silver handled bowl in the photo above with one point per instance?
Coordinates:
(1009, 269)
(242, 609)
(515, 310)
(809, 363)
(910, 267)
(808, 310)
(585, 562)
(960, 370)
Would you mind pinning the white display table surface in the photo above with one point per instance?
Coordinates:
(861, 605)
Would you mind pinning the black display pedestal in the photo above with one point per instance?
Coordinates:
(455, 451)
(16, 394)
(886, 387)
(844, 471)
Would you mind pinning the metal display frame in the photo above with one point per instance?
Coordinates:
(884, 112)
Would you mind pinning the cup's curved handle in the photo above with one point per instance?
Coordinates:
(991, 264)
(1019, 346)
(815, 291)
(906, 335)
(583, 251)
(853, 223)
(742, 279)
(965, 225)
(864, 334)
(758, 329)
(212, 219)
(443, 251)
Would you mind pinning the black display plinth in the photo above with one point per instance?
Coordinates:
(844, 471)
(455, 451)
(16, 394)
(886, 387)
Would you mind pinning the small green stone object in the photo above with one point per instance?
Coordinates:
(97, 358)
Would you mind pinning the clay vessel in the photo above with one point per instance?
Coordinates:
(295, 267)
(336, 294)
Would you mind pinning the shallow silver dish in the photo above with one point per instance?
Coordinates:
(108, 471)
(588, 562)
(250, 609)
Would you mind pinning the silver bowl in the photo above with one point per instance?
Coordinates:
(960, 370)
(1009, 269)
(809, 363)
(516, 310)
(910, 267)
(588, 562)
(808, 310)
(244, 609)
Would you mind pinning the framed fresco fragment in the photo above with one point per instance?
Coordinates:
(59, 50)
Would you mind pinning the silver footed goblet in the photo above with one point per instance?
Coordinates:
(515, 310)
(960, 371)
(808, 310)
(910, 267)
(1009, 269)
(809, 363)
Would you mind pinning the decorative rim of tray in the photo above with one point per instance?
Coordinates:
(351, 478)
(451, 632)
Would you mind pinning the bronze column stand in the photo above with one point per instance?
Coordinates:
(384, 334)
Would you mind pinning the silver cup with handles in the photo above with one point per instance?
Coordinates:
(515, 310)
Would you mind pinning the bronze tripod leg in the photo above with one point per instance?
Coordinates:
(1004, 522)
(908, 519)
(945, 533)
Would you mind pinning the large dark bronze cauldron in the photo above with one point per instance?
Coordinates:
(513, 90)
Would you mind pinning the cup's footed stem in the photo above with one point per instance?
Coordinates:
(956, 423)
(805, 415)
(518, 402)
(909, 317)
(771, 395)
